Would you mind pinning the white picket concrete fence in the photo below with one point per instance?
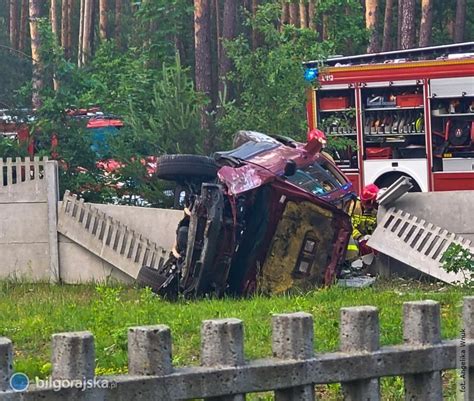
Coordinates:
(107, 237)
(291, 373)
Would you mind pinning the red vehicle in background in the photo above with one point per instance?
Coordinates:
(408, 113)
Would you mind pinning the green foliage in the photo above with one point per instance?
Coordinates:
(170, 122)
(117, 78)
(31, 313)
(270, 79)
(459, 259)
(12, 148)
(345, 25)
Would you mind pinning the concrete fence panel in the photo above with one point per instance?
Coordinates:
(291, 373)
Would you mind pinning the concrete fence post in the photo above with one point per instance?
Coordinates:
(73, 356)
(222, 344)
(149, 351)
(52, 195)
(468, 332)
(360, 332)
(6, 363)
(421, 326)
(292, 338)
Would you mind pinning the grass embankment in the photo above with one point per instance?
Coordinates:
(30, 314)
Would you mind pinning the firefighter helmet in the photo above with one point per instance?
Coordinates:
(369, 194)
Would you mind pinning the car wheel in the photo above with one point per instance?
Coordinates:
(184, 167)
(149, 277)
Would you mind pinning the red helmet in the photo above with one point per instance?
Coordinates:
(316, 133)
(369, 194)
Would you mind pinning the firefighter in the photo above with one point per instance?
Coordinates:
(364, 218)
(364, 221)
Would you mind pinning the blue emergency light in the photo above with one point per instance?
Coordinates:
(310, 74)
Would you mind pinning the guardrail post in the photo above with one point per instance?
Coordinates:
(468, 328)
(149, 351)
(73, 356)
(6, 363)
(292, 338)
(222, 344)
(360, 332)
(421, 326)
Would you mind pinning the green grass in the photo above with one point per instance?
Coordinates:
(30, 314)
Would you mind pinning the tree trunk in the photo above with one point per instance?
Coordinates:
(285, 13)
(80, 45)
(371, 12)
(202, 43)
(53, 16)
(118, 22)
(256, 35)
(228, 33)
(23, 25)
(64, 26)
(325, 27)
(426, 25)
(387, 26)
(37, 80)
(312, 14)
(460, 24)
(103, 19)
(294, 17)
(14, 23)
(86, 34)
(408, 25)
(303, 15)
(399, 22)
(68, 47)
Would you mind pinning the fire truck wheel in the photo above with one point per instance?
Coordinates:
(184, 167)
(388, 179)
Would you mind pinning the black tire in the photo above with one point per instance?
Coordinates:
(149, 277)
(389, 179)
(186, 167)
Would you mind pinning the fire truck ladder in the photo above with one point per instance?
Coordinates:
(421, 53)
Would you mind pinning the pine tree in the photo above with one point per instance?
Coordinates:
(202, 43)
(371, 11)
(23, 25)
(387, 26)
(103, 19)
(37, 80)
(294, 14)
(14, 24)
(426, 25)
(53, 16)
(229, 29)
(303, 15)
(460, 24)
(408, 25)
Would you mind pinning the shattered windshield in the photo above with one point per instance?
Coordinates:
(317, 179)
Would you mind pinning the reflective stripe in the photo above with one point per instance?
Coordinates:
(352, 247)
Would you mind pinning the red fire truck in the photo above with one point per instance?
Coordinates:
(405, 113)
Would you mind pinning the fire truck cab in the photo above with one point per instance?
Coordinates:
(406, 113)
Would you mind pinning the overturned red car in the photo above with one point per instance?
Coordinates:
(268, 216)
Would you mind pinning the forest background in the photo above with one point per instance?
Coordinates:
(185, 75)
